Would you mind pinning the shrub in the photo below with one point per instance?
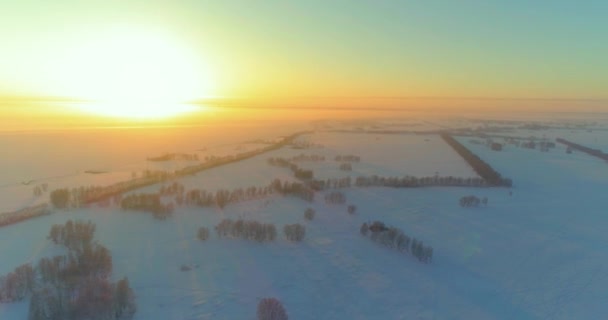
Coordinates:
(271, 309)
(309, 214)
(352, 209)
(470, 201)
(364, 229)
(203, 233)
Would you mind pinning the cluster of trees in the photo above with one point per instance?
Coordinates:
(472, 201)
(60, 198)
(18, 284)
(298, 189)
(310, 158)
(346, 166)
(309, 214)
(299, 173)
(347, 158)
(294, 232)
(71, 287)
(271, 309)
(483, 169)
(246, 229)
(393, 237)
(73, 235)
(7, 218)
(335, 197)
(147, 202)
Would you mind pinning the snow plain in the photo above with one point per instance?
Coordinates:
(536, 254)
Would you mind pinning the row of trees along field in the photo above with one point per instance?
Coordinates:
(7, 218)
(483, 169)
(74, 286)
(153, 203)
(395, 238)
(81, 196)
(252, 230)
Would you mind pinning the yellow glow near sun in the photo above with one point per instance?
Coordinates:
(134, 74)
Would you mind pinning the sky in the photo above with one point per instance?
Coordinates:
(341, 50)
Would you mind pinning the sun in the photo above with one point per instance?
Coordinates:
(135, 74)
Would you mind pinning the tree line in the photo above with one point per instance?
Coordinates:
(8, 218)
(246, 229)
(78, 197)
(395, 238)
(347, 158)
(594, 152)
(252, 230)
(484, 170)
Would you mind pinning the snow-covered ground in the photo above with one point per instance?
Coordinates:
(536, 254)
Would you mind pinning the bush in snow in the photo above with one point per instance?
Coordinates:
(203, 233)
(352, 209)
(470, 201)
(309, 214)
(271, 309)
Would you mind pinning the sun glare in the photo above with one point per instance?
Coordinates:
(135, 74)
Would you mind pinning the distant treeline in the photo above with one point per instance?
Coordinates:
(484, 170)
(253, 230)
(175, 156)
(594, 152)
(78, 197)
(152, 202)
(222, 197)
(347, 158)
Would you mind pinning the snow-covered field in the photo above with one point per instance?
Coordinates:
(536, 254)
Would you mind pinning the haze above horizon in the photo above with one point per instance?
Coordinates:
(140, 58)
